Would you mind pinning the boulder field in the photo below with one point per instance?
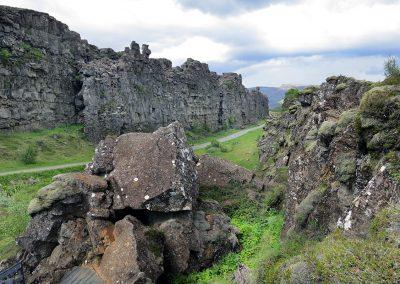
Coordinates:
(133, 216)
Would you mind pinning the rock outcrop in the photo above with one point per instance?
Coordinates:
(339, 146)
(137, 222)
(49, 75)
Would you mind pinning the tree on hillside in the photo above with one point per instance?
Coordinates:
(392, 69)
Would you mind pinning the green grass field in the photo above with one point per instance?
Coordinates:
(200, 137)
(15, 194)
(57, 146)
(242, 151)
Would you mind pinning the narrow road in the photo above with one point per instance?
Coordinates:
(42, 169)
(70, 165)
(229, 137)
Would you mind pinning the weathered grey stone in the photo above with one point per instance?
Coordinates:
(242, 275)
(213, 171)
(130, 259)
(154, 171)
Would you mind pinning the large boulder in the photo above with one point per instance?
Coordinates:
(213, 171)
(154, 171)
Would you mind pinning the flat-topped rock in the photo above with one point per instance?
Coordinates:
(154, 171)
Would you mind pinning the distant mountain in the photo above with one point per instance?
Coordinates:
(276, 94)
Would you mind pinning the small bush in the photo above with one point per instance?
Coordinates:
(274, 197)
(215, 143)
(225, 148)
(231, 120)
(382, 103)
(29, 155)
(383, 140)
(341, 87)
(392, 69)
(332, 78)
(4, 55)
(292, 94)
(31, 52)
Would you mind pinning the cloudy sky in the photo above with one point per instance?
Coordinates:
(270, 42)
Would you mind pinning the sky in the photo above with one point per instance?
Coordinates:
(270, 42)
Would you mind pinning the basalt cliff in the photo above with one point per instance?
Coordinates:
(49, 75)
(333, 157)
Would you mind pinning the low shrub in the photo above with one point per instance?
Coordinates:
(29, 155)
(382, 103)
(340, 87)
(215, 143)
(4, 55)
(274, 197)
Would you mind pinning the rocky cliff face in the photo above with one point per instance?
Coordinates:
(135, 92)
(339, 146)
(40, 59)
(48, 75)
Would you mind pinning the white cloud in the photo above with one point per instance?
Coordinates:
(281, 29)
(317, 25)
(311, 69)
(200, 48)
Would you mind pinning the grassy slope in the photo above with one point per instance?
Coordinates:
(61, 145)
(15, 194)
(242, 151)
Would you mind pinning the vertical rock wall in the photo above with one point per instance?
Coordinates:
(48, 76)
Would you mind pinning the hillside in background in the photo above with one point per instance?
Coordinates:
(276, 94)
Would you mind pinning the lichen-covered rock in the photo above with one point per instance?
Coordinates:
(130, 259)
(215, 234)
(331, 147)
(103, 157)
(381, 191)
(73, 244)
(154, 171)
(195, 240)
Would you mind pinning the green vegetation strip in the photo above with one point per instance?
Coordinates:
(44, 148)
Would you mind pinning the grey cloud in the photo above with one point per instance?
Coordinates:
(228, 7)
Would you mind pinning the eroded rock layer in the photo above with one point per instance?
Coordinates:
(49, 75)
